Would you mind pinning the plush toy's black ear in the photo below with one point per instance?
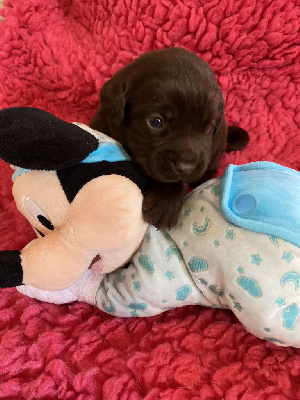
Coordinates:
(35, 139)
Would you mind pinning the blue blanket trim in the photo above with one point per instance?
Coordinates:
(110, 152)
(263, 197)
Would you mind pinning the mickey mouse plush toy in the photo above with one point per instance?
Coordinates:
(236, 245)
(55, 160)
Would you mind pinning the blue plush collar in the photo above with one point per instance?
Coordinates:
(106, 151)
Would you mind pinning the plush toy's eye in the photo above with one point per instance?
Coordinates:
(45, 221)
(37, 213)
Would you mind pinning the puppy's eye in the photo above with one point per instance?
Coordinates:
(211, 128)
(155, 122)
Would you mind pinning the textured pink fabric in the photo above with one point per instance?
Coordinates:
(56, 54)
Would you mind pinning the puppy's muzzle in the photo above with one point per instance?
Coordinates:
(176, 166)
(182, 167)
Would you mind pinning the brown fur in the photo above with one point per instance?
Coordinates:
(180, 88)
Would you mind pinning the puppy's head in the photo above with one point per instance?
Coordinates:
(166, 109)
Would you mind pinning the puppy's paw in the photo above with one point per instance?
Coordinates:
(162, 213)
(161, 206)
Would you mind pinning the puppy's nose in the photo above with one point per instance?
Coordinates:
(184, 167)
(181, 167)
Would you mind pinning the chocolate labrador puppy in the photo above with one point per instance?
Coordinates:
(167, 110)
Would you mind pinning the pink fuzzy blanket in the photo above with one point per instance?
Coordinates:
(56, 54)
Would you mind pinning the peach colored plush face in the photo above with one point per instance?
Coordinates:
(38, 193)
(101, 228)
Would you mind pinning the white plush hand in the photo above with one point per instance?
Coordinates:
(84, 289)
(57, 297)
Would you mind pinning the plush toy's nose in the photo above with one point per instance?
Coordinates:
(11, 272)
(55, 261)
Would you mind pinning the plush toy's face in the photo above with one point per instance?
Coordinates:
(86, 214)
(40, 198)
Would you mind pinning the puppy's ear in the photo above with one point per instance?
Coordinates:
(110, 115)
(237, 138)
(113, 98)
(113, 103)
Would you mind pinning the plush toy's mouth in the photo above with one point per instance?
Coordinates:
(96, 264)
